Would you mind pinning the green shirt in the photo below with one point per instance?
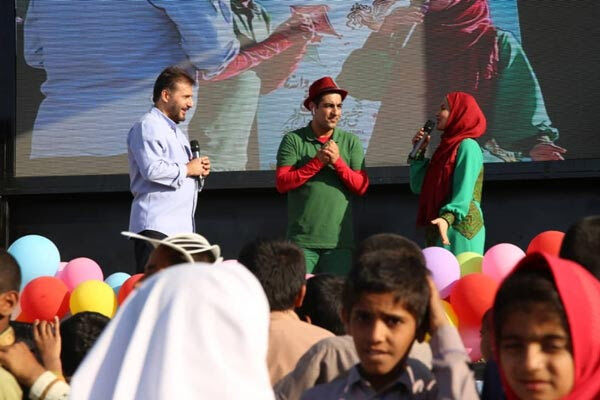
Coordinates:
(320, 211)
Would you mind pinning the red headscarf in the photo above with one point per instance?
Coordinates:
(579, 292)
(465, 121)
(462, 49)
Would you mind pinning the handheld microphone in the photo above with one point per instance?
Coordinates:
(417, 146)
(195, 147)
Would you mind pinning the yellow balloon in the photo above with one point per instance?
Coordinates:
(470, 263)
(450, 314)
(94, 296)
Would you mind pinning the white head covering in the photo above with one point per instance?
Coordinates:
(191, 332)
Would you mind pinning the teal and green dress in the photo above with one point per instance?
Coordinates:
(462, 210)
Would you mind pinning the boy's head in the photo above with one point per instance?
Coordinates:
(582, 244)
(322, 304)
(389, 241)
(385, 301)
(280, 268)
(78, 334)
(532, 334)
(10, 282)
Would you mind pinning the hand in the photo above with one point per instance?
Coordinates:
(418, 137)
(196, 167)
(400, 17)
(206, 164)
(48, 341)
(442, 225)
(437, 313)
(332, 151)
(547, 151)
(21, 362)
(298, 27)
(322, 156)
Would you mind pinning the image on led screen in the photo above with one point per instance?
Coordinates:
(87, 69)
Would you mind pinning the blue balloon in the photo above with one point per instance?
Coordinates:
(37, 256)
(116, 280)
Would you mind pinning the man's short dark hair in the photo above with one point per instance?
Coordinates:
(389, 241)
(167, 80)
(526, 290)
(280, 268)
(10, 273)
(389, 271)
(323, 302)
(582, 244)
(78, 334)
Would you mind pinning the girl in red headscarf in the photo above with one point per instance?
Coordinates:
(450, 183)
(546, 323)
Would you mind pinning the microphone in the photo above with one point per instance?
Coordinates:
(195, 146)
(417, 147)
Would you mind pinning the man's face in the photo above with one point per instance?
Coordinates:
(328, 112)
(178, 101)
(383, 332)
(535, 355)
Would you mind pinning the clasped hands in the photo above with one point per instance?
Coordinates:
(329, 153)
(198, 167)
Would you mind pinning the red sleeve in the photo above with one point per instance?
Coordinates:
(288, 177)
(356, 181)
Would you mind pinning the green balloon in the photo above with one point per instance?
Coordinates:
(470, 262)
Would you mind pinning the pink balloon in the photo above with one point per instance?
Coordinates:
(444, 268)
(61, 267)
(472, 341)
(80, 270)
(500, 259)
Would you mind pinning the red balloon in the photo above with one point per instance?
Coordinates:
(549, 241)
(471, 296)
(127, 287)
(45, 297)
(24, 318)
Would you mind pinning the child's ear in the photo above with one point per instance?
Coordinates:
(300, 297)
(8, 301)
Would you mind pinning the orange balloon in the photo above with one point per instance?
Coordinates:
(127, 287)
(471, 296)
(549, 241)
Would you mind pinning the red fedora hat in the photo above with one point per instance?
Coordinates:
(323, 85)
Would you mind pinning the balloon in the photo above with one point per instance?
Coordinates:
(36, 255)
(471, 297)
(80, 270)
(116, 280)
(500, 259)
(127, 287)
(61, 267)
(93, 295)
(450, 314)
(469, 262)
(45, 297)
(22, 317)
(472, 341)
(549, 241)
(444, 268)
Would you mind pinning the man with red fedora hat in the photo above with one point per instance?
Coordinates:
(321, 167)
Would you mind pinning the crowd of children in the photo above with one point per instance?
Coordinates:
(256, 328)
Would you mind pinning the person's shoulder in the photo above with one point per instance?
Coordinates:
(313, 330)
(469, 145)
(330, 390)
(346, 135)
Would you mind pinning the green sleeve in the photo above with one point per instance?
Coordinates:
(357, 155)
(287, 154)
(372, 61)
(519, 114)
(469, 161)
(418, 169)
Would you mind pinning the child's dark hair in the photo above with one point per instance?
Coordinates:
(323, 302)
(582, 244)
(10, 273)
(280, 268)
(526, 290)
(78, 334)
(401, 273)
(389, 241)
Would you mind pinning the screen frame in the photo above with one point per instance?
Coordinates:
(11, 185)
